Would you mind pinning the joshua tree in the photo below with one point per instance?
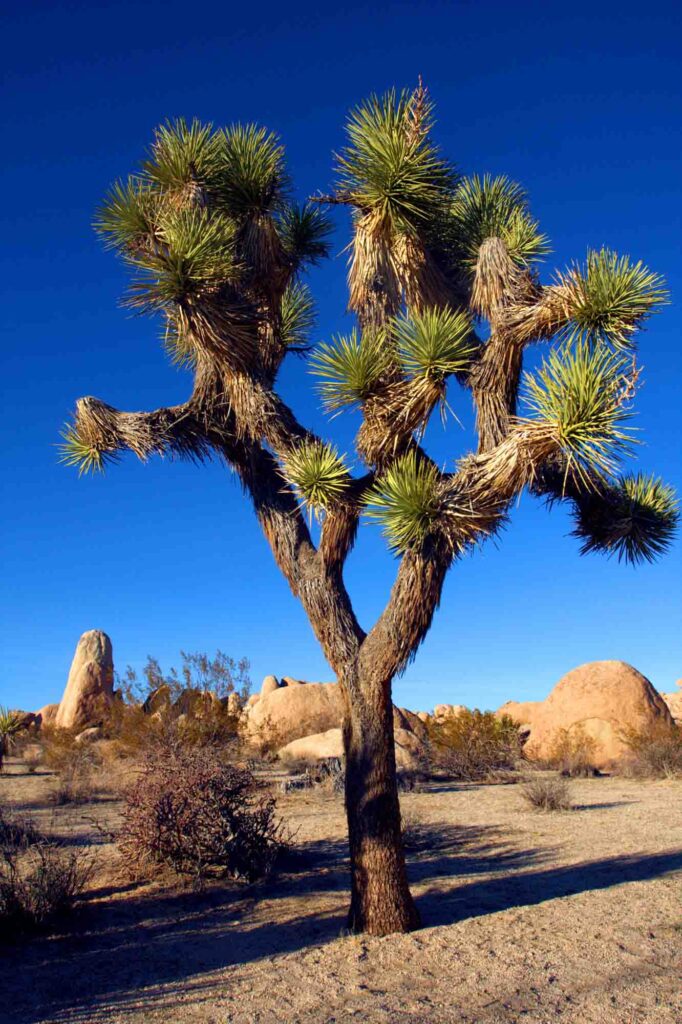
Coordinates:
(444, 286)
(10, 724)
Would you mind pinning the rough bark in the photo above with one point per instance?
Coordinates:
(381, 902)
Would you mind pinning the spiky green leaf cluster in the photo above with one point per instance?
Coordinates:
(10, 723)
(298, 317)
(317, 473)
(390, 166)
(636, 519)
(583, 393)
(490, 207)
(194, 255)
(610, 297)
(434, 343)
(75, 451)
(304, 231)
(405, 502)
(251, 176)
(183, 154)
(126, 218)
(350, 367)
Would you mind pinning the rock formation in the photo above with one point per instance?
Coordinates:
(90, 686)
(47, 714)
(674, 702)
(302, 722)
(289, 713)
(604, 698)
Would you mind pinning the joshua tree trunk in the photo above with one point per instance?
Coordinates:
(381, 902)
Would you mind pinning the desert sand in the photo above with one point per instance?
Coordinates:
(573, 917)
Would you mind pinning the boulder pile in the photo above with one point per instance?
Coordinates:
(302, 722)
(605, 699)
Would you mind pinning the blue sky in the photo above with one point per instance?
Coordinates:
(581, 103)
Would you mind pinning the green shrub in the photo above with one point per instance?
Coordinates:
(655, 752)
(474, 744)
(572, 753)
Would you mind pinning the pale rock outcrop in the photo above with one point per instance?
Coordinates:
(269, 685)
(233, 703)
(409, 733)
(47, 714)
(290, 681)
(291, 712)
(160, 699)
(523, 713)
(253, 700)
(317, 747)
(442, 711)
(604, 699)
(674, 702)
(90, 686)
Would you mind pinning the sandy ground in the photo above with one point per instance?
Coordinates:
(573, 917)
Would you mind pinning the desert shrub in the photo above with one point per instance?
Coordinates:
(32, 756)
(548, 793)
(196, 814)
(75, 764)
(132, 731)
(411, 829)
(198, 704)
(474, 745)
(40, 879)
(655, 752)
(572, 753)
(220, 676)
(16, 832)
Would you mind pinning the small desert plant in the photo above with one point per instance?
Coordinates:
(16, 832)
(194, 813)
(548, 794)
(572, 753)
(10, 724)
(39, 883)
(75, 764)
(474, 745)
(32, 756)
(655, 752)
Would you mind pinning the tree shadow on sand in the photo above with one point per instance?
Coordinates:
(130, 950)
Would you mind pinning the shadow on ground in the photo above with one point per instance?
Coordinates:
(168, 942)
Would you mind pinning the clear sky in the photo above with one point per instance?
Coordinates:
(580, 102)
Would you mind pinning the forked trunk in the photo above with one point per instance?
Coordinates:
(381, 902)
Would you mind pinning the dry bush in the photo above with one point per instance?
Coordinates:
(474, 745)
(654, 753)
(32, 756)
(16, 832)
(40, 880)
(75, 764)
(199, 816)
(572, 753)
(548, 794)
(205, 721)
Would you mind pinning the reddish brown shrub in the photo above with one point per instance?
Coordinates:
(40, 879)
(199, 816)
